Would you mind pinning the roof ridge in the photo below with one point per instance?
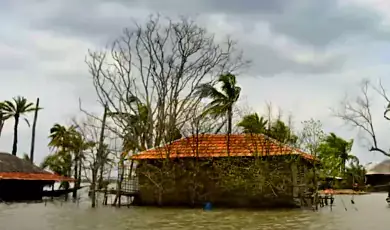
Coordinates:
(216, 149)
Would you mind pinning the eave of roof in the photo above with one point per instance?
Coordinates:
(33, 176)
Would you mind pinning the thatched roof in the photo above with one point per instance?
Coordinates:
(381, 168)
(14, 168)
(11, 163)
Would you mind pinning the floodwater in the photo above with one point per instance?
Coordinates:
(369, 212)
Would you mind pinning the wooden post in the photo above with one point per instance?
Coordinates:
(33, 131)
(52, 190)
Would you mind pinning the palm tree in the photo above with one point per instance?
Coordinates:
(342, 149)
(222, 100)
(253, 123)
(16, 109)
(60, 136)
(61, 160)
(282, 133)
(3, 118)
(60, 163)
(78, 144)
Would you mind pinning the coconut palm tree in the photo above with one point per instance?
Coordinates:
(61, 136)
(78, 144)
(282, 132)
(342, 149)
(3, 118)
(223, 100)
(253, 123)
(16, 108)
(61, 161)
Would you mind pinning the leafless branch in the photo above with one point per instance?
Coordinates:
(358, 114)
(148, 76)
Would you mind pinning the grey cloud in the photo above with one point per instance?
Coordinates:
(318, 23)
(267, 62)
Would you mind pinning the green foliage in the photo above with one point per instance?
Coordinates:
(253, 124)
(334, 153)
(222, 100)
(16, 108)
(68, 145)
(278, 130)
(281, 132)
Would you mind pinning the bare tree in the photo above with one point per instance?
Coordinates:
(153, 72)
(358, 113)
(96, 156)
(311, 137)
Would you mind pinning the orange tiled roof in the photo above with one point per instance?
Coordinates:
(32, 176)
(214, 145)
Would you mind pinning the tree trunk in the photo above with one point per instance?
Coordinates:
(100, 179)
(1, 122)
(98, 162)
(119, 182)
(15, 142)
(229, 128)
(33, 131)
(79, 176)
(93, 188)
(76, 174)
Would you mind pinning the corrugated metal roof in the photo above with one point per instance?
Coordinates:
(215, 145)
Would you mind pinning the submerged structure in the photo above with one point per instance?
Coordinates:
(20, 180)
(378, 176)
(250, 171)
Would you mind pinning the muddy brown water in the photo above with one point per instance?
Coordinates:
(369, 212)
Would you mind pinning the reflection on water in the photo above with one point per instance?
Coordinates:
(370, 212)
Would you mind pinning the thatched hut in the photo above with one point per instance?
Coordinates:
(20, 180)
(257, 171)
(378, 176)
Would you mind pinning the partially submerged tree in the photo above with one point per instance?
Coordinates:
(311, 138)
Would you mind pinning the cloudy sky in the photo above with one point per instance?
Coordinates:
(306, 54)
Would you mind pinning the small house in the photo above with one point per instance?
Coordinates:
(20, 180)
(250, 171)
(378, 176)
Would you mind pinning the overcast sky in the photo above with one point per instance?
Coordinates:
(306, 54)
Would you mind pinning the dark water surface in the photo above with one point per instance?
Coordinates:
(369, 212)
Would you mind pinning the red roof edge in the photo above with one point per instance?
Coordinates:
(34, 176)
(151, 153)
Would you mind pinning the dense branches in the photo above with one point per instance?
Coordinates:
(158, 66)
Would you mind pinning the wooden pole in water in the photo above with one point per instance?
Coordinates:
(33, 131)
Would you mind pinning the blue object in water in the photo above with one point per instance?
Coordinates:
(207, 206)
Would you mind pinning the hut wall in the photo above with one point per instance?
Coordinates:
(21, 190)
(378, 182)
(229, 182)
